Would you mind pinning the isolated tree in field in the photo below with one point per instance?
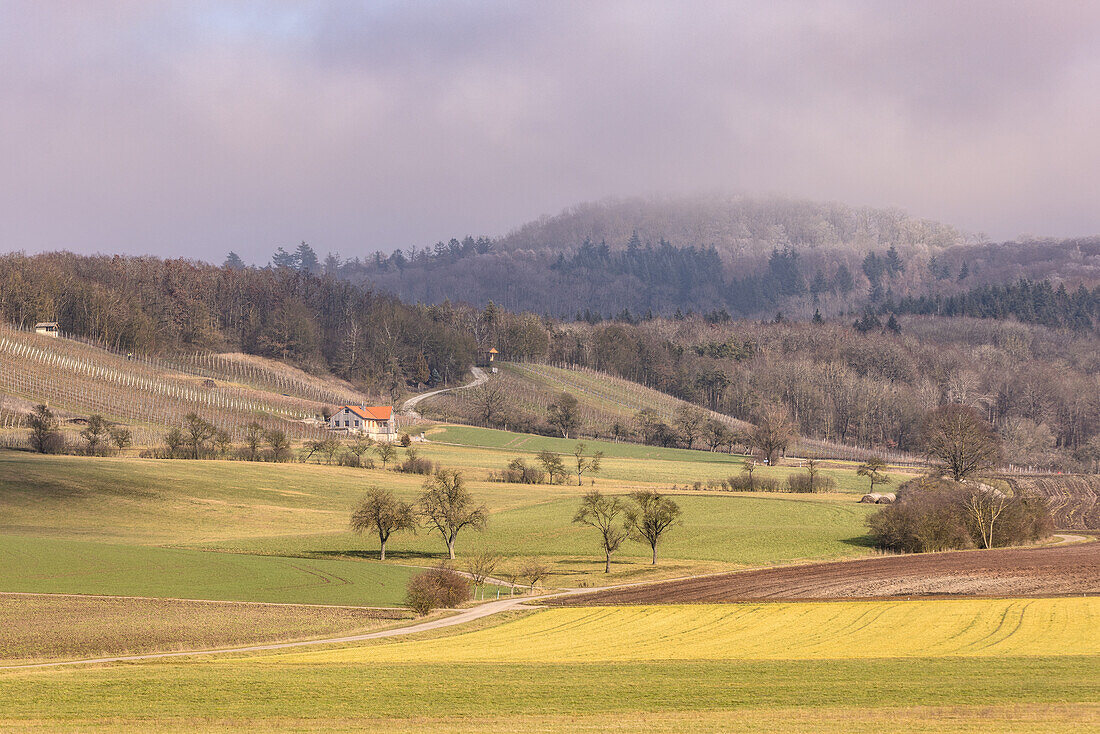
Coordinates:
(199, 433)
(874, 470)
(689, 421)
(813, 469)
(386, 451)
(489, 400)
(253, 439)
(985, 506)
(121, 437)
(448, 507)
(716, 434)
(381, 512)
(564, 414)
(603, 513)
(772, 434)
(960, 441)
(95, 434)
(651, 516)
(43, 425)
(554, 466)
(586, 464)
(279, 445)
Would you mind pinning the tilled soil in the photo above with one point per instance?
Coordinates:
(1072, 569)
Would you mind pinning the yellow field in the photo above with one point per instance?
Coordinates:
(779, 631)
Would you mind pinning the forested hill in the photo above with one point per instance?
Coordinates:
(149, 305)
(744, 257)
(740, 229)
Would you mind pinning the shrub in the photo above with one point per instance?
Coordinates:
(437, 588)
(933, 515)
(416, 465)
(406, 440)
(802, 483)
(519, 472)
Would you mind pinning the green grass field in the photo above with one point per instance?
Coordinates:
(973, 664)
(136, 507)
(49, 565)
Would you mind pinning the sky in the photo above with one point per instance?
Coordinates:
(188, 129)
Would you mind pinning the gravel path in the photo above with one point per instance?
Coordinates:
(409, 406)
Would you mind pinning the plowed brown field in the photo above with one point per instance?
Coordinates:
(1074, 498)
(1072, 569)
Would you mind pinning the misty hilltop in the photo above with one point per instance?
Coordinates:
(734, 255)
(736, 226)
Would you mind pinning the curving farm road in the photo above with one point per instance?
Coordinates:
(408, 407)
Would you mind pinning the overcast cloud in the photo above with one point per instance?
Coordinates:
(191, 128)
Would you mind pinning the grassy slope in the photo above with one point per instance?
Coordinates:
(41, 627)
(297, 510)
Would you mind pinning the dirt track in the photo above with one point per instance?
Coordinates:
(1055, 570)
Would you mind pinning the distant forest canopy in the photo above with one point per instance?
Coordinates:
(749, 258)
(1038, 387)
(148, 305)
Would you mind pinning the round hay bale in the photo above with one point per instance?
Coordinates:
(886, 499)
(871, 498)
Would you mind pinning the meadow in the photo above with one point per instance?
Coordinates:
(281, 530)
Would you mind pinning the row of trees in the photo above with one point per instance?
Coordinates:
(98, 435)
(446, 507)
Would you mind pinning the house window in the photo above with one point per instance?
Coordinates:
(356, 424)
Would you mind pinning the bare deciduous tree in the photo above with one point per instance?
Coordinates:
(43, 425)
(382, 512)
(481, 565)
(772, 433)
(449, 507)
(985, 505)
(386, 452)
(653, 515)
(564, 414)
(603, 512)
(586, 464)
(534, 570)
(554, 466)
(960, 441)
(490, 400)
(689, 421)
(95, 434)
(873, 470)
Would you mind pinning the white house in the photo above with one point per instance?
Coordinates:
(377, 421)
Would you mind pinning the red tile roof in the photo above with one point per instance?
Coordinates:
(371, 413)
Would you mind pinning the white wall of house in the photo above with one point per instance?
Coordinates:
(346, 420)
